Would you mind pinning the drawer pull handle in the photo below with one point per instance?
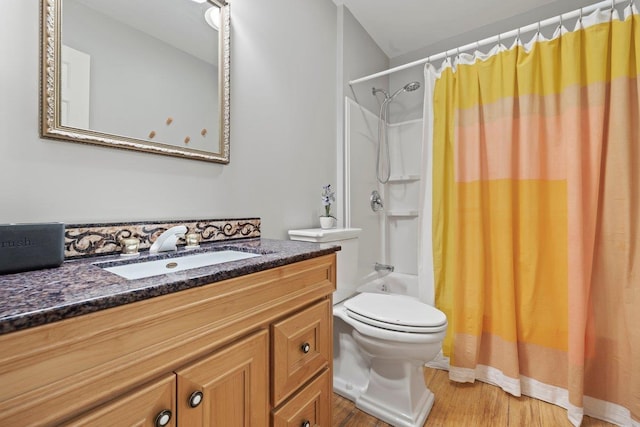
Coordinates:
(195, 399)
(305, 349)
(163, 418)
(305, 424)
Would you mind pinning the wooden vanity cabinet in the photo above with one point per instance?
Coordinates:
(228, 388)
(145, 363)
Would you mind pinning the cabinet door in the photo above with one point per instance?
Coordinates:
(309, 407)
(149, 406)
(228, 388)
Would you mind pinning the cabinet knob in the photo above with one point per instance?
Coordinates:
(305, 349)
(195, 399)
(163, 418)
(305, 423)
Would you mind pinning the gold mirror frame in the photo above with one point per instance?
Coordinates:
(50, 123)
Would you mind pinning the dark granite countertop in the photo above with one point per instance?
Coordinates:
(79, 287)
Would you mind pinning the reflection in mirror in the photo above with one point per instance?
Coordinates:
(147, 75)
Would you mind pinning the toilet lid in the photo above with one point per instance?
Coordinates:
(395, 312)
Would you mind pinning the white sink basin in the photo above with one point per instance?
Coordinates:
(171, 265)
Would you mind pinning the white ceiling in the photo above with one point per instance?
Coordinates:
(403, 26)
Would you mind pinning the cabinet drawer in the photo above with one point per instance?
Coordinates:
(302, 346)
(311, 405)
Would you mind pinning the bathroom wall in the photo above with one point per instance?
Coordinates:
(283, 132)
(362, 57)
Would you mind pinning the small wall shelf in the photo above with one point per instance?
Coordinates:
(409, 213)
(403, 178)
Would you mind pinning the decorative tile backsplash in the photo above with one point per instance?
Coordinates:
(102, 239)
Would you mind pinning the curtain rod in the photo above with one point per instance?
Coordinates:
(490, 40)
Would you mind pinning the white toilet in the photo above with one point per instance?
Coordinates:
(381, 340)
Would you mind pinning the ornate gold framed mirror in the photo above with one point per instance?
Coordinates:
(144, 75)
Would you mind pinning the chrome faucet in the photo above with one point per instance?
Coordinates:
(375, 201)
(167, 240)
(383, 267)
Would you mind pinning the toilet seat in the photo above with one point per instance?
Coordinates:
(396, 313)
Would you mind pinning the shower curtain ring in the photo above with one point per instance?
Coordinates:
(580, 18)
(538, 27)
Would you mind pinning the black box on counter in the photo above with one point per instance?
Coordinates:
(30, 246)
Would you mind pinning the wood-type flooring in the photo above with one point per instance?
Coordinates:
(469, 405)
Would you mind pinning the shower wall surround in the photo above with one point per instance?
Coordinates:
(103, 239)
(390, 236)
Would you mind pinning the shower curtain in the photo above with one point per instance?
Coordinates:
(536, 215)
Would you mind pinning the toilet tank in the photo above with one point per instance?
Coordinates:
(347, 257)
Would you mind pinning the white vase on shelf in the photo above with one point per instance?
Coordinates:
(327, 222)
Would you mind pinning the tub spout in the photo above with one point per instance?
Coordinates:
(383, 267)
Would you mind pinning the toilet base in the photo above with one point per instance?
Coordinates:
(396, 392)
(394, 417)
(346, 389)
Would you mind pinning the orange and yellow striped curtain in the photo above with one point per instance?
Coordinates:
(536, 218)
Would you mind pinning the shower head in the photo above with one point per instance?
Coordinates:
(409, 87)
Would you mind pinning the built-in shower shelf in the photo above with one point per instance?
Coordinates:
(403, 213)
(403, 178)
